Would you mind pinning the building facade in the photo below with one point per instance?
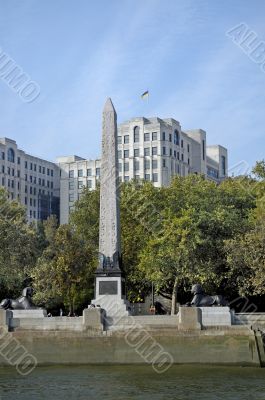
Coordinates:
(151, 149)
(32, 181)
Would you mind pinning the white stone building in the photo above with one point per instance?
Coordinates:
(34, 182)
(152, 149)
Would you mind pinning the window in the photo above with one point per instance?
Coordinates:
(26, 200)
(178, 155)
(34, 191)
(31, 166)
(154, 151)
(80, 173)
(164, 163)
(170, 152)
(212, 172)
(48, 183)
(89, 172)
(146, 164)
(176, 137)
(51, 172)
(80, 184)
(12, 183)
(136, 134)
(18, 186)
(147, 151)
(182, 157)
(30, 179)
(126, 139)
(30, 201)
(175, 154)
(188, 161)
(154, 135)
(8, 170)
(26, 164)
(43, 170)
(26, 177)
(71, 197)
(71, 185)
(164, 136)
(71, 173)
(18, 160)
(223, 165)
(147, 177)
(147, 137)
(203, 150)
(154, 164)
(43, 182)
(89, 183)
(3, 181)
(181, 143)
(18, 174)
(51, 185)
(119, 139)
(34, 203)
(97, 171)
(126, 167)
(3, 169)
(126, 153)
(136, 165)
(119, 154)
(188, 146)
(35, 167)
(170, 137)
(11, 155)
(8, 183)
(30, 190)
(39, 181)
(3, 155)
(164, 151)
(126, 178)
(155, 177)
(48, 171)
(39, 169)
(136, 152)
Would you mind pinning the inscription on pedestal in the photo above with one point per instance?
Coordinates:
(108, 287)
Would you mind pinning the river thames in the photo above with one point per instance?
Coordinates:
(133, 382)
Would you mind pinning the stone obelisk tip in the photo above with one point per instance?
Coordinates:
(109, 107)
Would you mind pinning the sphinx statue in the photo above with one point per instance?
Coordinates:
(201, 299)
(24, 302)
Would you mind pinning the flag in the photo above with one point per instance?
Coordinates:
(145, 95)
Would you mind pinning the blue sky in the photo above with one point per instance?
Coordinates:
(82, 51)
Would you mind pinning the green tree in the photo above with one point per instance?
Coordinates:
(18, 250)
(64, 273)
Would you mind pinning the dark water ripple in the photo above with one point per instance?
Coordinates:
(133, 382)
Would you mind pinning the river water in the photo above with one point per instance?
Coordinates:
(133, 382)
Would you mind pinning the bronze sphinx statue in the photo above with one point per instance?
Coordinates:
(200, 299)
(24, 302)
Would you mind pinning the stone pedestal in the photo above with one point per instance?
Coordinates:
(94, 318)
(216, 316)
(5, 316)
(189, 318)
(37, 313)
(109, 295)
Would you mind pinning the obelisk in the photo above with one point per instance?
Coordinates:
(110, 283)
(109, 226)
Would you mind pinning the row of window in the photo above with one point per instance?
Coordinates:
(80, 172)
(32, 166)
(147, 152)
(41, 182)
(148, 136)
